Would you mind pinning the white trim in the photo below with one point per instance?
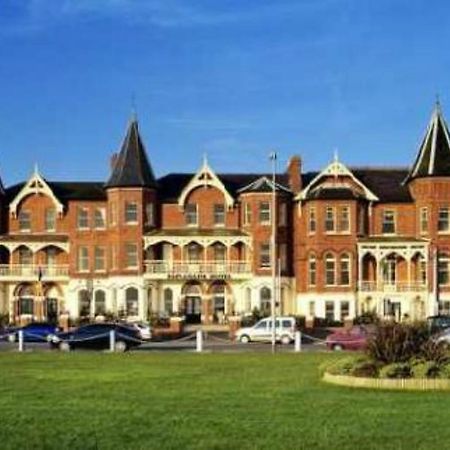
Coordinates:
(203, 178)
(259, 182)
(36, 185)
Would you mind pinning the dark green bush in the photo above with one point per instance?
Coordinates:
(426, 369)
(343, 366)
(396, 370)
(366, 368)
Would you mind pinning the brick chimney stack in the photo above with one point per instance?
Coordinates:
(294, 171)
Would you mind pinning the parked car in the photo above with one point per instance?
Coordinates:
(262, 331)
(143, 328)
(354, 338)
(438, 323)
(33, 332)
(96, 336)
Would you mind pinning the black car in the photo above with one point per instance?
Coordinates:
(96, 336)
(32, 332)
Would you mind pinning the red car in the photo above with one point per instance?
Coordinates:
(354, 338)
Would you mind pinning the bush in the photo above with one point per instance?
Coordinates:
(397, 342)
(367, 368)
(425, 369)
(343, 366)
(396, 370)
(444, 371)
(367, 318)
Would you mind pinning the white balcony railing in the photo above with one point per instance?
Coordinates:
(373, 286)
(213, 269)
(32, 271)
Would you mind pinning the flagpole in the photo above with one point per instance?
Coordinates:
(273, 158)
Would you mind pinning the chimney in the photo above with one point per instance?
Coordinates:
(294, 171)
(112, 161)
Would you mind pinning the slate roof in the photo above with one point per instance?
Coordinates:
(433, 158)
(132, 167)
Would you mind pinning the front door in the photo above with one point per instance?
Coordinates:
(192, 309)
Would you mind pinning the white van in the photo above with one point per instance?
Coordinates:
(262, 331)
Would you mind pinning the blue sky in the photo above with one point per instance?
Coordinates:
(231, 78)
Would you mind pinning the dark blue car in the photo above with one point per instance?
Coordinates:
(96, 336)
(33, 332)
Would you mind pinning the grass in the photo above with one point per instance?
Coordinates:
(208, 401)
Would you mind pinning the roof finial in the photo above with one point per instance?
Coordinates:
(437, 104)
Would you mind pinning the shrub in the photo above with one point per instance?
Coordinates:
(397, 342)
(343, 366)
(366, 318)
(426, 369)
(435, 351)
(444, 371)
(396, 370)
(367, 368)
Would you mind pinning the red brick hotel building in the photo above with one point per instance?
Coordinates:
(349, 240)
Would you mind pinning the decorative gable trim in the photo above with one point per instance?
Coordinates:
(336, 169)
(205, 177)
(36, 185)
(263, 184)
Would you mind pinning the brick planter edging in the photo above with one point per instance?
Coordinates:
(412, 384)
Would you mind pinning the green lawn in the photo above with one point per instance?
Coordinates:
(204, 401)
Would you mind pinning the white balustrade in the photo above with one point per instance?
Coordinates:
(33, 270)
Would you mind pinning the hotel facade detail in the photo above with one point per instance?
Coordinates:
(348, 240)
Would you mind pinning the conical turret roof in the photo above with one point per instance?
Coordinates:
(433, 158)
(132, 167)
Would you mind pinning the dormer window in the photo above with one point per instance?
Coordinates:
(191, 214)
(131, 213)
(24, 220)
(388, 226)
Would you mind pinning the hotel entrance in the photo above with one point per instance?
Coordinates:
(192, 303)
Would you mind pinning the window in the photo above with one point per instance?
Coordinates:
(264, 213)
(345, 310)
(443, 220)
(329, 220)
(344, 219)
(344, 270)
(84, 303)
(100, 303)
(264, 255)
(25, 256)
(132, 301)
(247, 214)
(100, 259)
(51, 256)
(265, 298)
(443, 269)
(24, 220)
(83, 259)
(131, 212)
(50, 219)
(423, 220)
(191, 214)
(99, 218)
(219, 214)
(113, 214)
(168, 301)
(150, 214)
(329, 311)
(388, 226)
(219, 252)
(193, 252)
(282, 215)
(312, 270)
(131, 256)
(389, 270)
(312, 308)
(421, 270)
(330, 270)
(312, 224)
(26, 305)
(83, 218)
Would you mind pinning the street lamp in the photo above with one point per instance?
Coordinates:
(273, 158)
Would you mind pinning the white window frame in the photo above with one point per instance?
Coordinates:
(330, 219)
(265, 213)
(265, 254)
(312, 270)
(131, 213)
(100, 256)
(100, 212)
(24, 219)
(312, 220)
(83, 259)
(330, 259)
(247, 213)
(191, 214)
(444, 219)
(131, 255)
(50, 222)
(389, 219)
(344, 219)
(345, 259)
(219, 216)
(83, 218)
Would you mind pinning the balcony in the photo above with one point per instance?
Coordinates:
(31, 272)
(200, 270)
(373, 286)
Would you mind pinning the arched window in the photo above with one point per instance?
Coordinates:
(26, 299)
(100, 303)
(344, 269)
(265, 298)
(84, 303)
(25, 256)
(132, 301)
(219, 252)
(193, 252)
(312, 270)
(168, 301)
(330, 269)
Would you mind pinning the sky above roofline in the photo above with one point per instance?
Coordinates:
(232, 79)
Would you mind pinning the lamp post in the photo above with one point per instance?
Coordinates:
(273, 158)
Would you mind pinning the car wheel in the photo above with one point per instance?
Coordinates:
(64, 346)
(245, 339)
(285, 340)
(12, 338)
(121, 346)
(338, 347)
